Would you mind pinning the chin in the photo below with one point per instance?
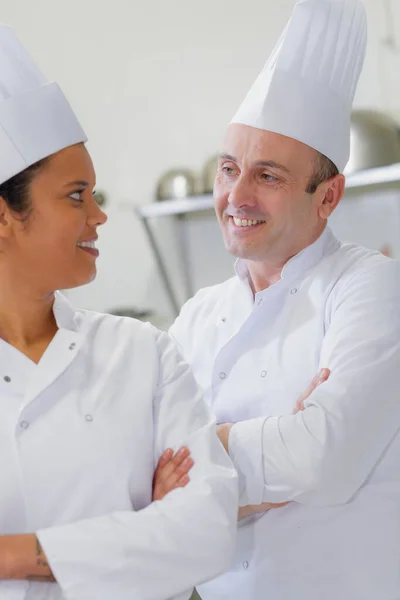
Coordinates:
(78, 282)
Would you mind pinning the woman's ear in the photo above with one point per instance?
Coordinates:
(5, 221)
(331, 193)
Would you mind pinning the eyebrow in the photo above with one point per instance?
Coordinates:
(80, 182)
(260, 163)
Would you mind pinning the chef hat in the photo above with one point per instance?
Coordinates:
(35, 117)
(307, 87)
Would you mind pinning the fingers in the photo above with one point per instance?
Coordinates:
(168, 466)
(321, 377)
(171, 472)
(165, 458)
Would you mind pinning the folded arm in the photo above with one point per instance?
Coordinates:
(323, 454)
(172, 544)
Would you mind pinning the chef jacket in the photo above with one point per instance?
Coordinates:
(81, 433)
(337, 463)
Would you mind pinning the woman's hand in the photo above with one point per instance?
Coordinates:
(171, 472)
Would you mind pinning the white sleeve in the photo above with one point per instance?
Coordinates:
(173, 544)
(324, 454)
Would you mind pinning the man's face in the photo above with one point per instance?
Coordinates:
(263, 209)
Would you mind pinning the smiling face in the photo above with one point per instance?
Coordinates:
(264, 212)
(54, 247)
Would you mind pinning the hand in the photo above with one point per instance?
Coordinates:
(223, 432)
(171, 472)
(321, 377)
(245, 511)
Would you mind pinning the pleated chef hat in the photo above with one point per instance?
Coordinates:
(306, 89)
(35, 117)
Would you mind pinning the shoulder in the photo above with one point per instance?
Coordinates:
(356, 264)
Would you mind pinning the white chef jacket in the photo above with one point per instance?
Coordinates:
(337, 306)
(80, 436)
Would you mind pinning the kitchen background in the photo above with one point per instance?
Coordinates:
(154, 84)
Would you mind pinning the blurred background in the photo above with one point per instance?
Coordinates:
(154, 84)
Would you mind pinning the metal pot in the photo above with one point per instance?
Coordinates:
(176, 184)
(374, 141)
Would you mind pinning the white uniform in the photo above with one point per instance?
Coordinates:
(336, 306)
(80, 435)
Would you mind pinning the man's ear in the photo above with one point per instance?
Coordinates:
(331, 192)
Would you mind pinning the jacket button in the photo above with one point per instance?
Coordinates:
(24, 424)
(245, 565)
(89, 418)
(72, 346)
(293, 291)
(222, 375)
(7, 379)
(263, 373)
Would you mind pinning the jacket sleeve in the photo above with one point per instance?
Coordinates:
(324, 454)
(173, 544)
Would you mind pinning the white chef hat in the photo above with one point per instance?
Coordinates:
(307, 87)
(35, 117)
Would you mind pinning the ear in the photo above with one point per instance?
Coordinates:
(331, 193)
(5, 219)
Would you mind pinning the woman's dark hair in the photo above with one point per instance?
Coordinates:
(16, 190)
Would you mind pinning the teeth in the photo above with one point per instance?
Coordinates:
(245, 222)
(91, 244)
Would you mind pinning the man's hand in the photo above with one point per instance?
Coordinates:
(321, 377)
(171, 472)
(245, 511)
(223, 432)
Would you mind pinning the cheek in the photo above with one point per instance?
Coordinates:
(221, 194)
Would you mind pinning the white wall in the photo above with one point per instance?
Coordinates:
(154, 82)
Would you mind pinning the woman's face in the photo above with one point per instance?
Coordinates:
(54, 247)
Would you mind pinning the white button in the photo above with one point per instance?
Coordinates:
(293, 291)
(245, 565)
(223, 319)
(24, 424)
(72, 346)
(263, 373)
(7, 379)
(89, 417)
(222, 375)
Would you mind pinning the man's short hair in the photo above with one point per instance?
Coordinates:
(324, 169)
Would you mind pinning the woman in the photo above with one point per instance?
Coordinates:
(89, 402)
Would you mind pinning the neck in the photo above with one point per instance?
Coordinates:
(263, 274)
(26, 318)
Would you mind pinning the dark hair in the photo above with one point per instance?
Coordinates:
(324, 169)
(16, 190)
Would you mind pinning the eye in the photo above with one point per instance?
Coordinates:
(268, 177)
(228, 170)
(77, 196)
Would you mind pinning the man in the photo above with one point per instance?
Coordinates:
(301, 301)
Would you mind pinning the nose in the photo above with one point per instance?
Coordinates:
(96, 216)
(242, 194)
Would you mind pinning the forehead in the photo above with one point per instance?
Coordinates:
(73, 162)
(251, 145)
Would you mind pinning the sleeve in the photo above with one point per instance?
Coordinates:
(324, 454)
(173, 544)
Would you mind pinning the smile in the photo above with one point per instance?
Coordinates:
(90, 244)
(246, 222)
